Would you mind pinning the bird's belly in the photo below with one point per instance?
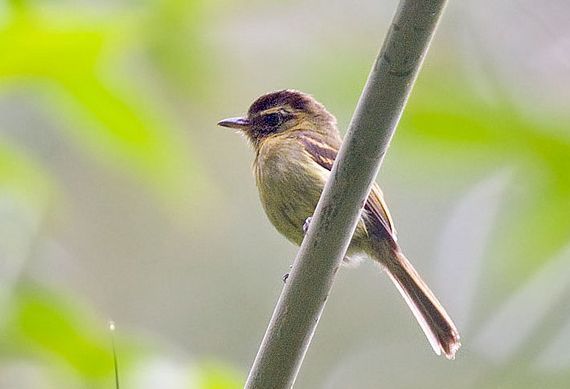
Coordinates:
(289, 197)
(289, 192)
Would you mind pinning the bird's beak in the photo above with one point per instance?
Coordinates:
(239, 123)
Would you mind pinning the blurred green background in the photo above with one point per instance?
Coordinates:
(121, 200)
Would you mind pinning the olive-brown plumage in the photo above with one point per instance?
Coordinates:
(296, 141)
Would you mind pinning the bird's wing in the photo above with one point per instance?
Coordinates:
(324, 153)
(376, 205)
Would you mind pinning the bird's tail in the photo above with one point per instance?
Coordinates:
(430, 314)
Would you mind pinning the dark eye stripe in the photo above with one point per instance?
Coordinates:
(272, 119)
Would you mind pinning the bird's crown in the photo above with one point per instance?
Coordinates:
(292, 99)
(282, 111)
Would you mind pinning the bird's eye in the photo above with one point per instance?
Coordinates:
(273, 119)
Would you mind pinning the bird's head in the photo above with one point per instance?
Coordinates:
(279, 112)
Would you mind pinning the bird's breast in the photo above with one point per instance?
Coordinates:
(289, 185)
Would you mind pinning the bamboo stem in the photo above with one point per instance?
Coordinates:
(378, 111)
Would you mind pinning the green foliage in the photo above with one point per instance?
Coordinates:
(119, 81)
(173, 30)
(41, 325)
(23, 178)
(464, 133)
(44, 325)
(215, 376)
(69, 56)
(70, 60)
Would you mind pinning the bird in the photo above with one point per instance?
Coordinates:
(296, 141)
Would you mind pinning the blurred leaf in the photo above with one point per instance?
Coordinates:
(555, 357)
(174, 31)
(460, 132)
(217, 376)
(23, 178)
(464, 243)
(160, 372)
(339, 85)
(25, 191)
(119, 127)
(523, 312)
(43, 324)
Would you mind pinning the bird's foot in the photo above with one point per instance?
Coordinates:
(306, 225)
(286, 275)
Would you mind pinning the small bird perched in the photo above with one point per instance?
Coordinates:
(296, 141)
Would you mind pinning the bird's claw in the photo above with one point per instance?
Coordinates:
(286, 275)
(306, 224)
